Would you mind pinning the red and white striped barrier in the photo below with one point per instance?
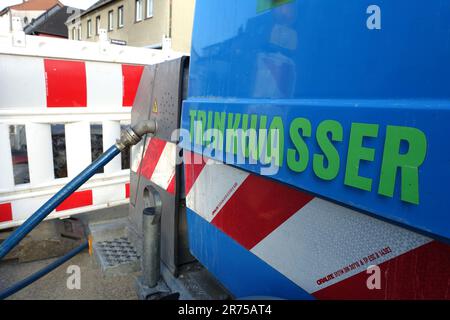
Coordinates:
(75, 84)
(322, 247)
(92, 196)
(42, 83)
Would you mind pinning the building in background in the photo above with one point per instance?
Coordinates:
(52, 23)
(181, 24)
(140, 23)
(26, 11)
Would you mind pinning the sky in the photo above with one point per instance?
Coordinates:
(81, 4)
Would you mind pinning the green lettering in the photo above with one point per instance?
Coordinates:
(329, 151)
(408, 162)
(356, 153)
(219, 125)
(249, 143)
(208, 133)
(298, 158)
(276, 131)
(192, 114)
(200, 127)
(232, 137)
(262, 139)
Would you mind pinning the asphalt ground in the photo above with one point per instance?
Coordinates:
(53, 286)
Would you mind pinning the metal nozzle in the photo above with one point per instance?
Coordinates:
(132, 135)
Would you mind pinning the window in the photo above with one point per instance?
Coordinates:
(79, 32)
(73, 33)
(138, 15)
(97, 25)
(110, 20)
(149, 8)
(89, 28)
(120, 17)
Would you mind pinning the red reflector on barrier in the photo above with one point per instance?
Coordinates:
(131, 78)
(65, 83)
(5, 212)
(127, 190)
(76, 200)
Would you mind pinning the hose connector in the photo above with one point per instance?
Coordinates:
(133, 134)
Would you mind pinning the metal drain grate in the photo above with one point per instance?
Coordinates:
(116, 251)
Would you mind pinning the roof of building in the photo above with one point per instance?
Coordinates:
(36, 5)
(51, 22)
(97, 5)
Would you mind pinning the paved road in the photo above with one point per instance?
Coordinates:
(94, 285)
(54, 285)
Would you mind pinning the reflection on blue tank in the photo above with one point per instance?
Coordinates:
(321, 50)
(382, 64)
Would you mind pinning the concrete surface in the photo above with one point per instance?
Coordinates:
(53, 286)
(194, 281)
(103, 215)
(108, 229)
(94, 285)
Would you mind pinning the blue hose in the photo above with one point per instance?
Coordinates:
(36, 276)
(54, 201)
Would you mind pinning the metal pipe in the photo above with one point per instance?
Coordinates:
(133, 135)
(54, 201)
(144, 127)
(151, 249)
(36, 276)
(129, 137)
